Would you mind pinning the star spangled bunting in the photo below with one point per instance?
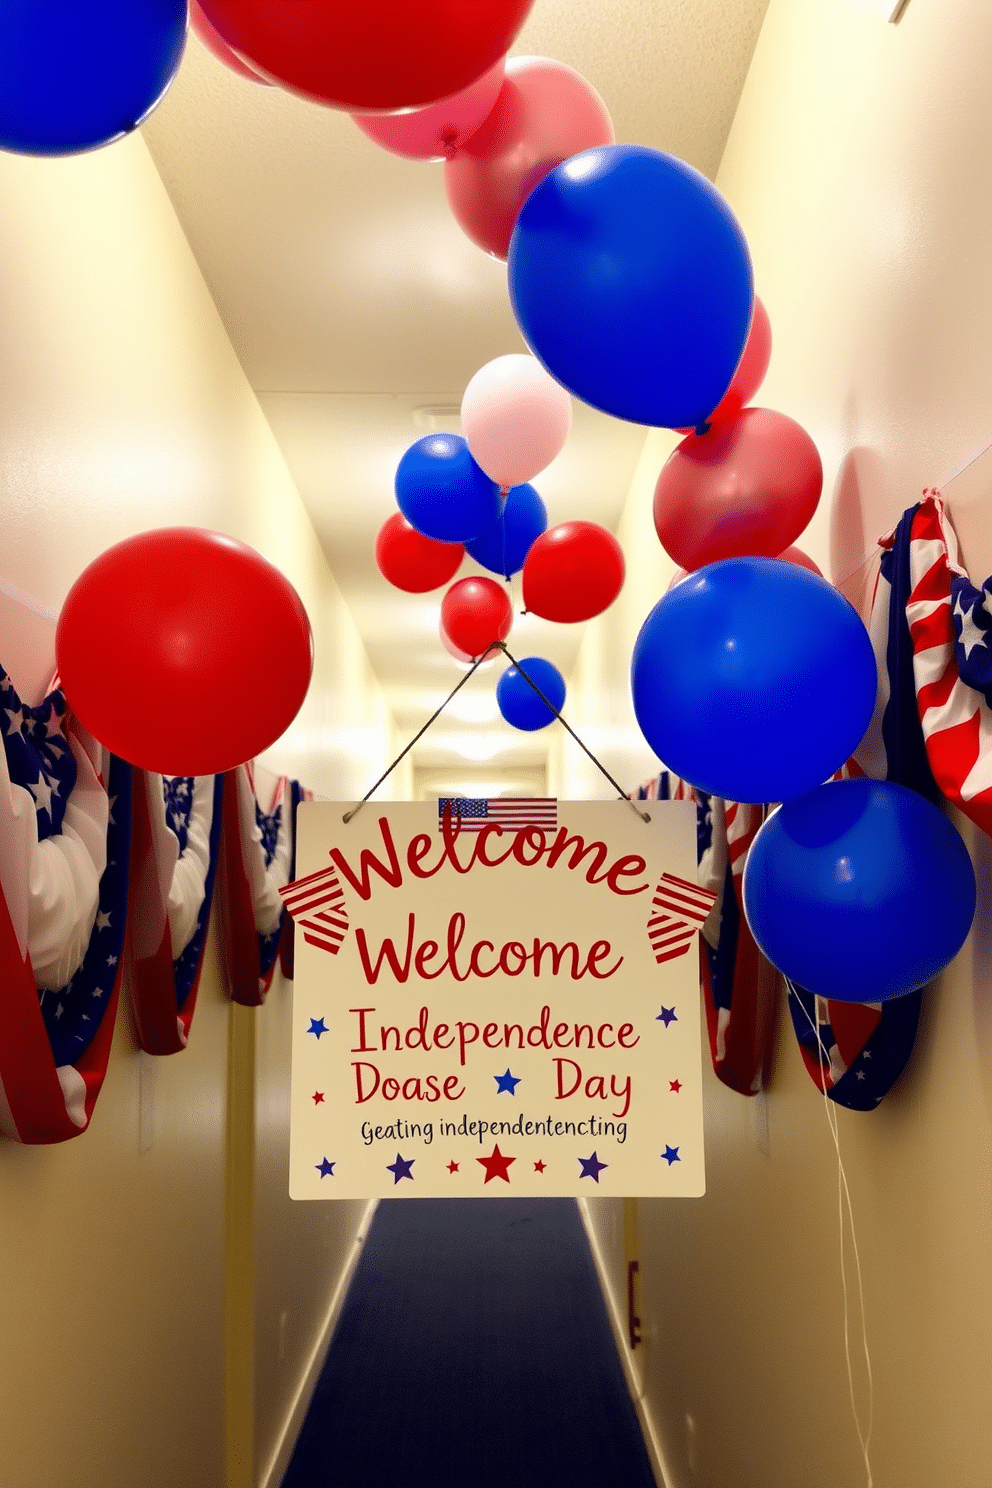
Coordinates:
(679, 908)
(317, 904)
(509, 812)
(854, 1052)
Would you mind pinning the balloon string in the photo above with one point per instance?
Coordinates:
(350, 815)
(844, 1201)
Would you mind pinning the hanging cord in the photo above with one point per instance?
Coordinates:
(844, 1200)
(419, 735)
(350, 815)
(644, 815)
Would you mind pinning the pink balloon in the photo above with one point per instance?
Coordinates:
(439, 131)
(750, 372)
(746, 488)
(212, 39)
(545, 112)
(515, 418)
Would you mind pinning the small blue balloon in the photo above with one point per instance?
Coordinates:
(442, 491)
(631, 281)
(503, 547)
(77, 74)
(753, 679)
(859, 891)
(519, 704)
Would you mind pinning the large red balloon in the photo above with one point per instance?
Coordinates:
(413, 562)
(474, 613)
(184, 651)
(213, 40)
(545, 113)
(370, 55)
(572, 572)
(750, 372)
(747, 488)
(791, 555)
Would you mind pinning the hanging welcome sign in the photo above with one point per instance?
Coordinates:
(496, 997)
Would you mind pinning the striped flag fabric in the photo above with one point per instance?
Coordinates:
(317, 904)
(471, 814)
(679, 908)
(256, 859)
(65, 828)
(924, 596)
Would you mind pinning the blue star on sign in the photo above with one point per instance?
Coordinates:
(666, 1016)
(591, 1167)
(325, 1168)
(401, 1168)
(671, 1155)
(506, 1083)
(317, 1027)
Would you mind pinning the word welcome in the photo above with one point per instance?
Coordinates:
(529, 846)
(512, 959)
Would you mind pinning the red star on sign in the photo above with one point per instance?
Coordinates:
(318, 1096)
(675, 1085)
(452, 1167)
(496, 1165)
(539, 1167)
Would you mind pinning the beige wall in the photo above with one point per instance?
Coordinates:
(122, 406)
(861, 167)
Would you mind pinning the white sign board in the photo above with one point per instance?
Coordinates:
(504, 1001)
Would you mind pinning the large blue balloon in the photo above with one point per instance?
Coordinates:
(631, 281)
(442, 491)
(503, 547)
(519, 704)
(859, 891)
(75, 74)
(753, 679)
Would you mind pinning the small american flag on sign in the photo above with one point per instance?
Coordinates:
(317, 905)
(678, 909)
(509, 812)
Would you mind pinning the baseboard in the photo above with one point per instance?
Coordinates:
(279, 1461)
(619, 1324)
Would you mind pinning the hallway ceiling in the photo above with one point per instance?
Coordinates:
(360, 311)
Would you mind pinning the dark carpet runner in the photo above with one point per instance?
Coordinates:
(473, 1351)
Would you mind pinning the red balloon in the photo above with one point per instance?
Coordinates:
(545, 113)
(747, 488)
(750, 372)
(474, 613)
(801, 560)
(413, 562)
(184, 651)
(572, 572)
(213, 40)
(791, 555)
(370, 56)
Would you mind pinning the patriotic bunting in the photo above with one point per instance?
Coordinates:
(257, 856)
(175, 852)
(737, 982)
(65, 825)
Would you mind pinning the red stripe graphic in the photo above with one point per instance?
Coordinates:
(316, 902)
(680, 908)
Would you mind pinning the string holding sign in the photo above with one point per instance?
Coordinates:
(500, 646)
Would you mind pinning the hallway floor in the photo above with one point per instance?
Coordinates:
(473, 1351)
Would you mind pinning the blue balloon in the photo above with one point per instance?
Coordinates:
(631, 281)
(859, 891)
(519, 704)
(503, 547)
(442, 491)
(76, 74)
(753, 679)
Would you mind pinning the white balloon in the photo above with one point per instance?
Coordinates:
(515, 418)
